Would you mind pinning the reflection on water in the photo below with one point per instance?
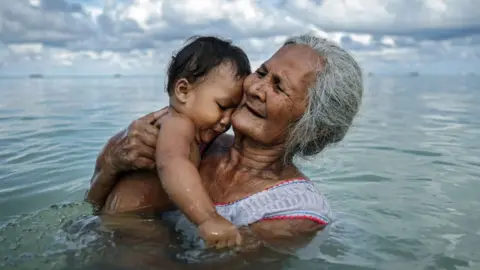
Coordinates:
(403, 184)
(40, 239)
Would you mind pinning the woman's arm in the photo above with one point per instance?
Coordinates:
(131, 149)
(103, 179)
(286, 234)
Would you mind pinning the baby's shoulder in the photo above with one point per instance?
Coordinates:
(177, 135)
(172, 125)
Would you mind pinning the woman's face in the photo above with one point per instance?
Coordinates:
(275, 95)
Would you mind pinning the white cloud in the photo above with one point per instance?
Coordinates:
(64, 58)
(141, 11)
(26, 48)
(395, 16)
(364, 39)
(139, 35)
(389, 41)
(34, 3)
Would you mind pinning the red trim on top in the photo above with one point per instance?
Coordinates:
(265, 189)
(285, 182)
(319, 221)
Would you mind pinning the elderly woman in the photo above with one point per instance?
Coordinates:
(298, 102)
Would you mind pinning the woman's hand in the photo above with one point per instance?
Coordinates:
(134, 148)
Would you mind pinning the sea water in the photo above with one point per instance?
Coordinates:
(404, 184)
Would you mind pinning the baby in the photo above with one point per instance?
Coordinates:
(205, 81)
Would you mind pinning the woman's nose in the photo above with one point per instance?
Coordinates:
(257, 90)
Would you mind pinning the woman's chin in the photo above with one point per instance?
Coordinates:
(238, 121)
(243, 122)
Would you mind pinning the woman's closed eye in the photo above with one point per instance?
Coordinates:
(260, 73)
(223, 108)
(279, 88)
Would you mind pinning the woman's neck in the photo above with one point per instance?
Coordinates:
(257, 159)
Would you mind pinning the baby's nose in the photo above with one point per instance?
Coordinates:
(225, 121)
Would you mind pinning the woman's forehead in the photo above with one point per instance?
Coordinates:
(296, 63)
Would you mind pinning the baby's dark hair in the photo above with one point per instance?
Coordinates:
(200, 55)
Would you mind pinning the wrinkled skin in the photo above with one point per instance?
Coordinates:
(132, 149)
(233, 167)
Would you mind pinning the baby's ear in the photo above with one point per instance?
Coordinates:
(182, 89)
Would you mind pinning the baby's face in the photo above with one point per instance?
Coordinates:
(215, 99)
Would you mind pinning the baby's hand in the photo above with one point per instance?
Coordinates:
(219, 232)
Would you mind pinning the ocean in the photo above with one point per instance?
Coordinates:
(404, 184)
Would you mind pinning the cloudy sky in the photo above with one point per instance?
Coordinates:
(59, 37)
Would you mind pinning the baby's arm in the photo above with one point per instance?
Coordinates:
(179, 176)
(182, 182)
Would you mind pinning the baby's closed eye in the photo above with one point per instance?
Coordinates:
(222, 107)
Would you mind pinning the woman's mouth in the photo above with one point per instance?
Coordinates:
(255, 112)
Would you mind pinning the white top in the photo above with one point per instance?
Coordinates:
(289, 199)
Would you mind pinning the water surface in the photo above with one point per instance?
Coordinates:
(404, 184)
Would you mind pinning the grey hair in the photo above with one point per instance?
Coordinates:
(333, 100)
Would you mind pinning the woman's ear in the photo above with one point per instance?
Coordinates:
(182, 90)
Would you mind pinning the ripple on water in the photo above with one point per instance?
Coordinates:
(421, 153)
(38, 240)
(358, 178)
(414, 152)
(403, 184)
